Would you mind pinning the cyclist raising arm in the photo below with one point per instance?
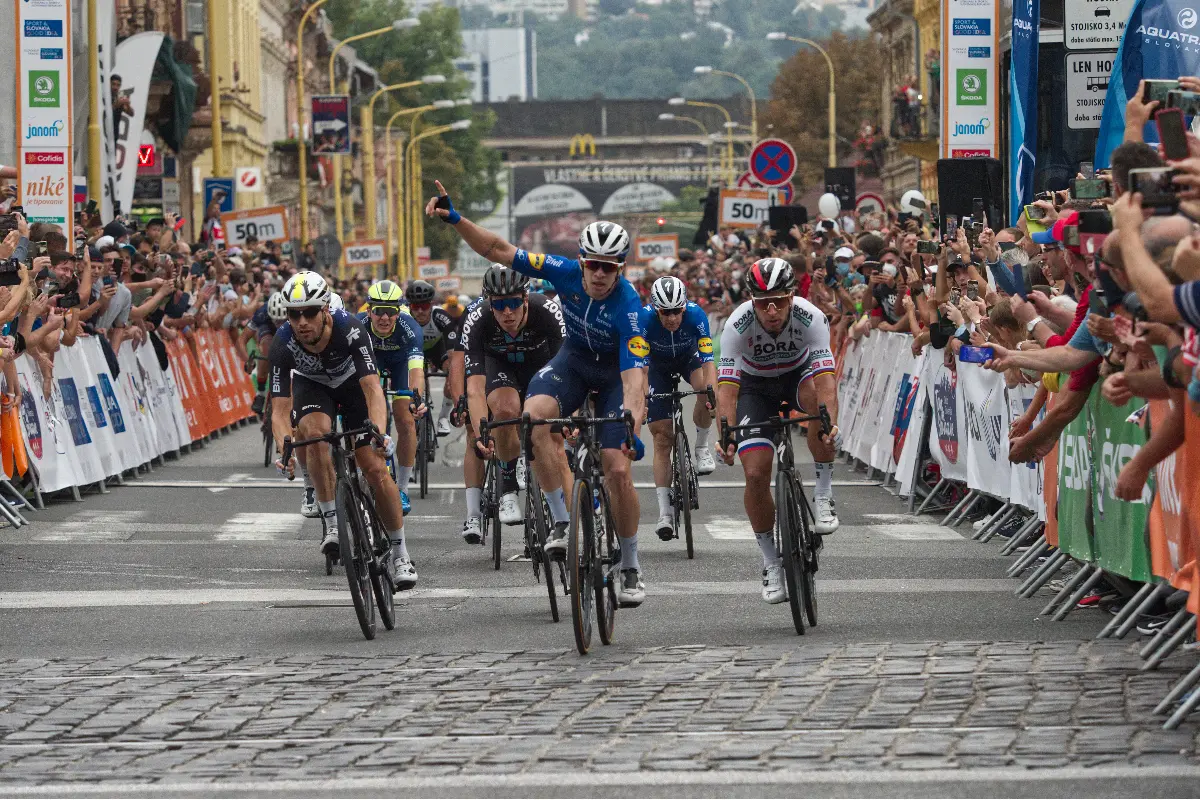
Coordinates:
(604, 340)
(680, 345)
(770, 349)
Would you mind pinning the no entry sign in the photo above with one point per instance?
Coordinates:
(773, 162)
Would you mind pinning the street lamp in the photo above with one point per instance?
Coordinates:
(397, 25)
(300, 118)
(779, 36)
(395, 190)
(728, 168)
(414, 161)
(669, 117)
(707, 70)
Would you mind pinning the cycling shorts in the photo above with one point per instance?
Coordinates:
(759, 399)
(664, 377)
(437, 356)
(503, 375)
(568, 378)
(310, 397)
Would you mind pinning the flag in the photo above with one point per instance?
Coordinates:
(1023, 97)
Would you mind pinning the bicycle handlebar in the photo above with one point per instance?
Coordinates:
(579, 421)
(487, 425)
(708, 393)
(781, 421)
(289, 446)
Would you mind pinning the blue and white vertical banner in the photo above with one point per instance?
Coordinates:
(970, 90)
(44, 135)
(1022, 125)
(1162, 41)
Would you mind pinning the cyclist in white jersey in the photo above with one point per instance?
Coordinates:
(774, 349)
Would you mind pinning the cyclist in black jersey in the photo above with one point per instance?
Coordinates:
(506, 339)
(440, 332)
(473, 466)
(334, 373)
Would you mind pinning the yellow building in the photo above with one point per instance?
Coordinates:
(238, 75)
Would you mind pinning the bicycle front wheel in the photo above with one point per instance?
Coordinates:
(683, 488)
(787, 539)
(808, 539)
(608, 572)
(381, 574)
(357, 560)
(492, 493)
(540, 520)
(581, 563)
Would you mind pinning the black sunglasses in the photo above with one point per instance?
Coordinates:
(607, 267)
(310, 312)
(670, 312)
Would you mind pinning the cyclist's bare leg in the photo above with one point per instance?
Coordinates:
(699, 379)
(317, 458)
(549, 462)
(387, 496)
(823, 454)
(760, 505)
(619, 478)
(664, 441)
(505, 403)
(406, 433)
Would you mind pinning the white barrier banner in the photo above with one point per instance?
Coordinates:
(138, 410)
(1025, 488)
(73, 363)
(947, 435)
(909, 420)
(69, 409)
(128, 452)
(897, 356)
(158, 394)
(48, 441)
(986, 418)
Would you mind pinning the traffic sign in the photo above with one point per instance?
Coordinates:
(364, 254)
(327, 248)
(747, 181)
(781, 195)
(1087, 87)
(1097, 24)
(219, 190)
(744, 208)
(664, 245)
(433, 269)
(773, 162)
(248, 179)
(869, 203)
(268, 224)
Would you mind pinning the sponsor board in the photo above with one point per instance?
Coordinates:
(658, 246)
(433, 269)
(744, 208)
(364, 253)
(269, 224)
(969, 76)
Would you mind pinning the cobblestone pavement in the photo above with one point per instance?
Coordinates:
(862, 707)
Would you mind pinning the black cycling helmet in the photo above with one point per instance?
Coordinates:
(500, 281)
(419, 292)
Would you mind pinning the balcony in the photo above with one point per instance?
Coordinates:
(915, 127)
(137, 16)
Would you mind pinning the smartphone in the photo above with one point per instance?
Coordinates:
(1089, 188)
(1158, 90)
(1187, 102)
(973, 290)
(1035, 213)
(955, 295)
(1071, 235)
(91, 207)
(1006, 246)
(1172, 133)
(935, 215)
(1094, 226)
(109, 280)
(1086, 170)
(1156, 186)
(80, 249)
(951, 226)
(43, 249)
(973, 231)
(977, 212)
(443, 201)
(975, 355)
(928, 247)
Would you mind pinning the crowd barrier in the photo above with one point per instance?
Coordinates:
(898, 412)
(81, 425)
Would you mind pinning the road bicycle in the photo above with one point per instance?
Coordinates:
(489, 501)
(427, 445)
(685, 487)
(268, 435)
(537, 527)
(362, 539)
(794, 536)
(593, 552)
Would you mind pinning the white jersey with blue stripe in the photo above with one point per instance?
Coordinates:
(748, 349)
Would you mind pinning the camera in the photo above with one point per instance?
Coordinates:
(69, 300)
(10, 274)
(1187, 102)
(1156, 186)
(43, 249)
(1158, 90)
(1095, 224)
(1089, 188)
(928, 247)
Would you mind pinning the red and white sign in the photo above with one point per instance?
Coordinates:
(975, 153)
(869, 203)
(269, 224)
(364, 254)
(248, 179)
(743, 208)
(773, 162)
(433, 269)
(747, 181)
(782, 195)
(47, 188)
(664, 245)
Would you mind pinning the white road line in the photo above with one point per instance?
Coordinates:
(270, 483)
(283, 597)
(728, 528)
(912, 532)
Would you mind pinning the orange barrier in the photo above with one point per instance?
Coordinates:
(192, 388)
(215, 391)
(1050, 486)
(12, 445)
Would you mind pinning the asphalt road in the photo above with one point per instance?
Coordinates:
(179, 636)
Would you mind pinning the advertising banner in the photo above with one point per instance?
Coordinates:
(1170, 543)
(986, 417)
(134, 62)
(106, 30)
(1163, 43)
(1023, 97)
(971, 46)
(331, 124)
(44, 136)
(1119, 526)
(947, 434)
(1075, 489)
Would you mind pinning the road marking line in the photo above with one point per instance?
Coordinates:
(270, 483)
(730, 528)
(282, 597)
(913, 532)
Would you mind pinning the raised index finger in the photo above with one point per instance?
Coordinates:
(441, 190)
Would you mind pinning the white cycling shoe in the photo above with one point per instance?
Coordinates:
(443, 427)
(405, 573)
(510, 510)
(773, 590)
(472, 531)
(329, 541)
(309, 508)
(665, 527)
(827, 519)
(705, 463)
(631, 592)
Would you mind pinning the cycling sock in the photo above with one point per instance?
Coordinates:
(766, 543)
(329, 514)
(702, 437)
(629, 559)
(508, 476)
(558, 505)
(824, 479)
(447, 407)
(308, 484)
(474, 493)
(398, 546)
(664, 501)
(402, 476)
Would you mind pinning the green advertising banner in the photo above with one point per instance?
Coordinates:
(1119, 526)
(1075, 487)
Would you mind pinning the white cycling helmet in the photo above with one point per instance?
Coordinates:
(604, 239)
(276, 307)
(335, 302)
(304, 290)
(668, 292)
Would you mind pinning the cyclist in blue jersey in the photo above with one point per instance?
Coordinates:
(396, 338)
(604, 351)
(680, 346)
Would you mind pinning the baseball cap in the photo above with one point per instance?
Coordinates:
(843, 252)
(115, 229)
(1055, 234)
(104, 241)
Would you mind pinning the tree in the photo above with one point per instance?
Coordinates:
(799, 109)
